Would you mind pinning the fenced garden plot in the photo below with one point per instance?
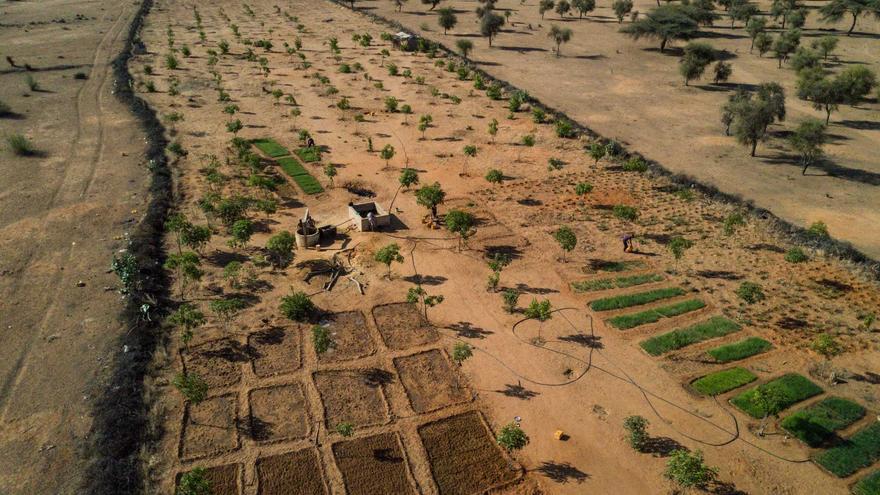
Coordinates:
(637, 299)
(740, 350)
(723, 381)
(616, 283)
(858, 451)
(632, 320)
(790, 389)
(817, 423)
(717, 326)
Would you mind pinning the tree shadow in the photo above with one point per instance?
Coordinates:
(830, 168)
(518, 392)
(525, 288)
(256, 429)
(430, 280)
(661, 446)
(721, 274)
(223, 258)
(386, 455)
(522, 49)
(513, 252)
(562, 472)
(864, 125)
(467, 330)
(377, 377)
(584, 340)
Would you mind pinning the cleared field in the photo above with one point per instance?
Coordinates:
(723, 381)
(637, 299)
(402, 326)
(464, 457)
(430, 381)
(294, 473)
(278, 413)
(816, 424)
(616, 283)
(223, 480)
(858, 451)
(869, 485)
(740, 350)
(354, 397)
(717, 326)
(625, 322)
(791, 389)
(209, 427)
(218, 362)
(350, 335)
(275, 352)
(373, 465)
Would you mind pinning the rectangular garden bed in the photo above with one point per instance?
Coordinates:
(430, 381)
(616, 283)
(717, 326)
(791, 389)
(373, 464)
(632, 320)
(402, 326)
(869, 485)
(270, 147)
(723, 381)
(275, 351)
(209, 427)
(224, 480)
(637, 299)
(291, 473)
(739, 350)
(353, 396)
(858, 451)
(309, 155)
(350, 335)
(816, 424)
(278, 413)
(300, 175)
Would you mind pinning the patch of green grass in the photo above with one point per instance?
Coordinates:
(20, 145)
(637, 299)
(309, 155)
(816, 424)
(292, 167)
(723, 381)
(270, 147)
(860, 450)
(740, 350)
(300, 175)
(717, 326)
(791, 389)
(612, 283)
(632, 320)
(612, 266)
(869, 485)
(308, 184)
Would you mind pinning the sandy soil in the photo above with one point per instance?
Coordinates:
(63, 214)
(628, 91)
(572, 373)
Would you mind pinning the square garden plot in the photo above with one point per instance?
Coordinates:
(430, 381)
(224, 480)
(276, 351)
(816, 424)
(278, 413)
(858, 451)
(293, 473)
(464, 457)
(790, 389)
(218, 362)
(210, 427)
(373, 465)
(350, 335)
(353, 396)
(402, 326)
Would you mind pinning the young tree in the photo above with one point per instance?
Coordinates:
(562, 8)
(424, 124)
(808, 139)
(298, 306)
(677, 246)
(191, 386)
(584, 7)
(722, 72)
(665, 23)
(763, 42)
(786, 43)
(330, 172)
(226, 308)
(688, 469)
(511, 438)
(447, 19)
(280, 248)
(754, 27)
(188, 317)
(493, 129)
(194, 483)
(234, 126)
(241, 231)
(826, 345)
(490, 25)
(387, 153)
(825, 94)
(596, 152)
(464, 47)
(545, 6)
(408, 177)
(825, 45)
(621, 8)
(770, 401)
(345, 429)
(566, 238)
(461, 352)
(322, 341)
(510, 297)
(430, 196)
(753, 114)
(559, 36)
(742, 11)
(389, 254)
(462, 223)
(782, 9)
(697, 56)
(636, 428)
(835, 10)
(418, 294)
(186, 266)
(541, 311)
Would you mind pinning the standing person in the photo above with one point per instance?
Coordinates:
(371, 219)
(628, 242)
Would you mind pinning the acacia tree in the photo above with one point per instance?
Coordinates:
(544, 6)
(750, 115)
(562, 8)
(808, 139)
(697, 56)
(825, 93)
(490, 25)
(464, 47)
(447, 19)
(754, 27)
(665, 23)
(584, 6)
(559, 36)
(835, 10)
(388, 255)
(621, 8)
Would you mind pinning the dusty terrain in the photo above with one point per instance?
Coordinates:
(64, 213)
(574, 373)
(629, 91)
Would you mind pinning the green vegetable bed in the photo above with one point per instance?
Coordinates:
(309, 155)
(869, 485)
(637, 299)
(860, 450)
(816, 424)
(300, 175)
(723, 381)
(632, 320)
(717, 326)
(615, 283)
(740, 350)
(788, 389)
(270, 147)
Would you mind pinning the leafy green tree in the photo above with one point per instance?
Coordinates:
(559, 36)
(752, 114)
(545, 6)
(495, 176)
(677, 246)
(424, 123)
(196, 236)
(408, 177)
(754, 27)
(430, 196)
(596, 152)
(280, 248)
(241, 232)
(461, 352)
(808, 139)
(298, 306)
(510, 297)
(186, 267)
(490, 25)
(722, 72)
(665, 23)
(750, 292)
(637, 434)
(836, 10)
(825, 45)
(512, 438)
(562, 8)
(786, 43)
(763, 42)
(856, 82)
(769, 400)
(804, 58)
(389, 254)
(188, 317)
(462, 223)
(447, 19)
(418, 294)
(191, 386)
(345, 429)
(234, 126)
(464, 47)
(742, 11)
(566, 238)
(387, 153)
(322, 341)
(782, 9)
(697, 56)
(621, 8)
(539, 310)
(226, 308)
(194, 482)
(818, 231)
(824, 93)
(688, 469)
(584, 7)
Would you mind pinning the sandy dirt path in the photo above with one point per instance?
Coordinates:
(63, 214)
